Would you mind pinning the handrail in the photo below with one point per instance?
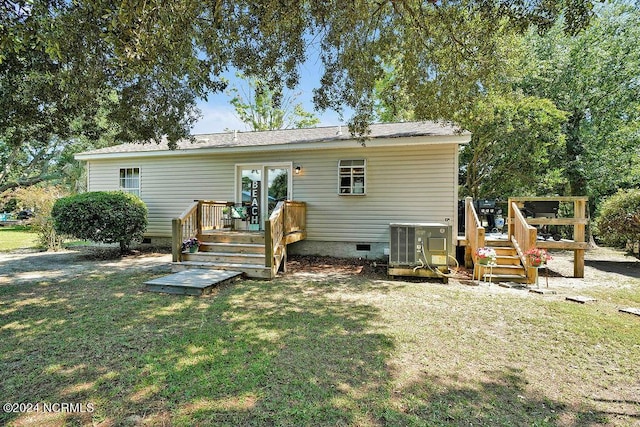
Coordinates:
(286, 224)
(199, 216)
(184, 225)
(474, 231)
(274, 233)
(522, 235)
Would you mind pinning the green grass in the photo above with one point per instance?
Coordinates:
(17, 237)
(341, 352)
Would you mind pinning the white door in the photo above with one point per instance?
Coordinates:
(259, 189)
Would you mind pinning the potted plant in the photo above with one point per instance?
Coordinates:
(537, 256)
(486, 256)
(192, 245)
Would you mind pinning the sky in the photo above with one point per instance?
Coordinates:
(218, 114)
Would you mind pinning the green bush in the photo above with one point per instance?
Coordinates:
(41, 200)
(618, 221)
(107, 217)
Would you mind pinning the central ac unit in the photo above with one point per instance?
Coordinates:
(420, 249)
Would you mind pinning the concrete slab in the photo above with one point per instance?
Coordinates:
(631, 310)
(512, 285)
(190, 282)
(581, 299)
(542, 291)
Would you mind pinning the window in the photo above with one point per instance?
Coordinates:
(130, 180)
(352, 177)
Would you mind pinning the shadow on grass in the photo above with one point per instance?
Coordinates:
(625, 268)
(501, 399)
(254, 353)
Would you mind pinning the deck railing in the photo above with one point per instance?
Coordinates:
(579, 221)
(199, 216)
(286, 224)
(474, 231)
(523, 236)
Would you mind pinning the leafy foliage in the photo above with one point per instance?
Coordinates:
(593, 76)
(107, 217)
(510, 131)
(618, 221)
(263, 108)
(158, 56)
(41, 200)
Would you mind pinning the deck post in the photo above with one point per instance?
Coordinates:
(176, 240)
(579, 212)
(268, 244)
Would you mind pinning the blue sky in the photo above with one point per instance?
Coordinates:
(218, 114)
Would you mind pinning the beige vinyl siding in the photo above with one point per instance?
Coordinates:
(403, 184)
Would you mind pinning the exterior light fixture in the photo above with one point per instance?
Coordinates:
(298, 169)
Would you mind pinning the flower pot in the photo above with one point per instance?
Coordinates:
(536, 263)
(193, 249)
(484, 261)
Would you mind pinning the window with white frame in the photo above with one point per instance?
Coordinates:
(352, 177)
(130, 180)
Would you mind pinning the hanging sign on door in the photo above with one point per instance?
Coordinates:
(254, 208)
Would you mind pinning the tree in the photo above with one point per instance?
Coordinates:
(158, 56)
(593, 76)
(512, 144)
(264, 108)
(41, 199)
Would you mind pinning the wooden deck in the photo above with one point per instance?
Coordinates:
(522, 232)
(257, 254)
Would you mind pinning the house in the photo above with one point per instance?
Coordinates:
(404, 172)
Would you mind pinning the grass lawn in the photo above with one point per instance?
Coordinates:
(17, 237)
(293, 351)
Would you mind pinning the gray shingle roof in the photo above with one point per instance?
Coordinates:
(289, 136)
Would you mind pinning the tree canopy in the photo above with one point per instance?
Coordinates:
(158, 56)
(593, 77)
(134, 70)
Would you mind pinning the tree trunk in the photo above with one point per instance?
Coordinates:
(575, 151)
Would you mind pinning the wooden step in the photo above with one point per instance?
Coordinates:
(505, 250)
(234, 248)
(505, 269)
(496, 278)
(224, 257)
(238, 237)
(508, 260)
(250, 270)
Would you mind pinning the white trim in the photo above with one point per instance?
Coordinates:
(294, 146)
(264, 196)
(128, 190)
(351, 186)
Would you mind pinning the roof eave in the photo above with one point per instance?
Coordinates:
(461, 138)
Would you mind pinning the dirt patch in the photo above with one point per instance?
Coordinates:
(30, 265)
(604, 267)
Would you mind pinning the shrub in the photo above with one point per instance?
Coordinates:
(102, 216)
(41, 200)
(618, 222)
